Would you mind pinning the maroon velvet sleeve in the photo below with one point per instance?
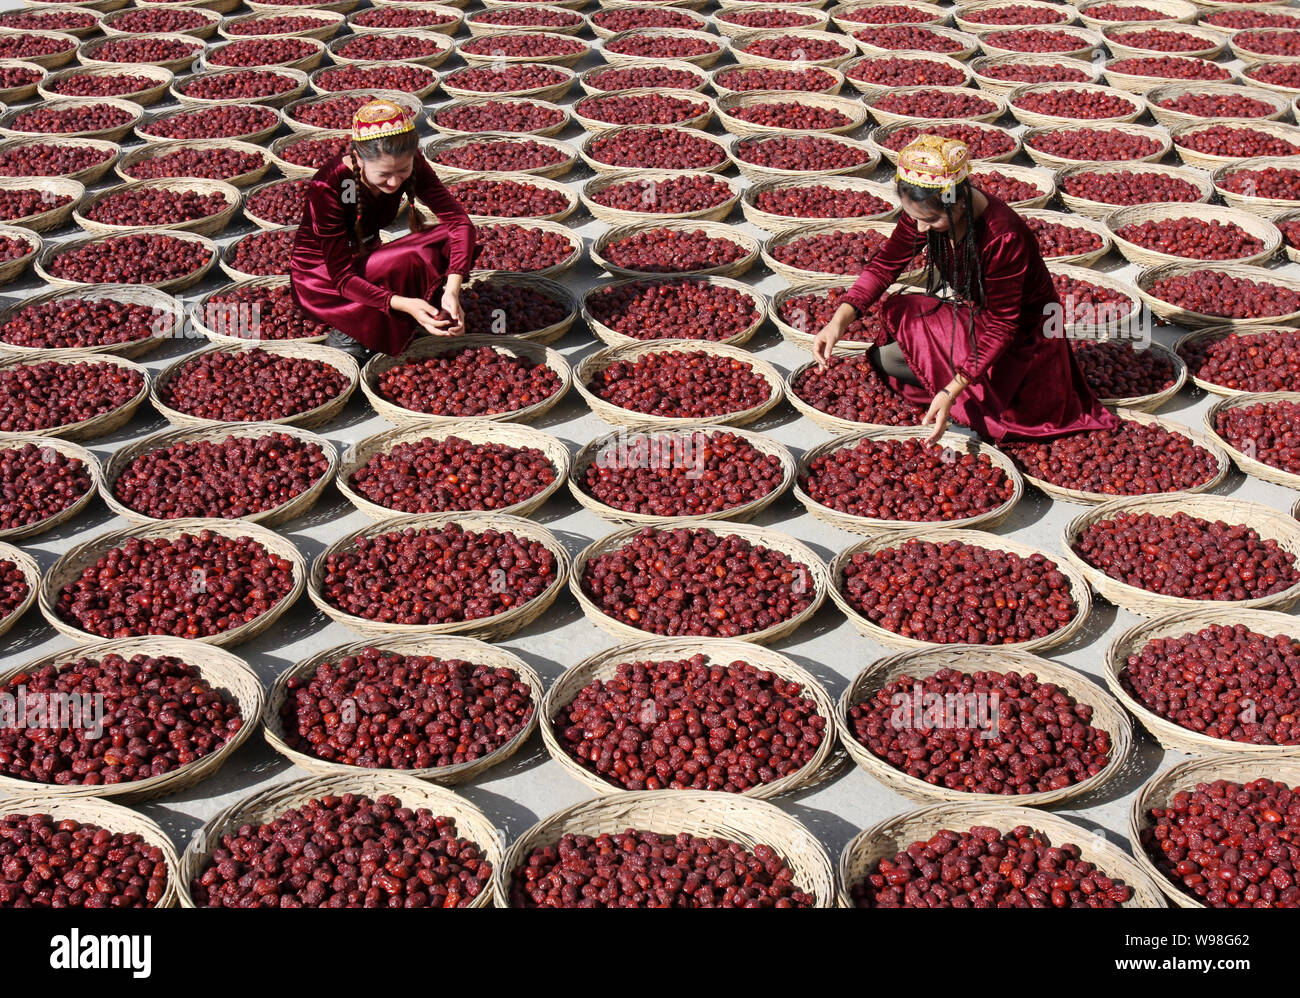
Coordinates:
(461, 241)
(1005, 267)
(884, 267)
(325, 217)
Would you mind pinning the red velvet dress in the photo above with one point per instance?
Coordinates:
(1023, 384)
(332, 284)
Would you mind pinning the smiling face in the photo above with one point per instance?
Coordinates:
(930, 215)
(387, 173)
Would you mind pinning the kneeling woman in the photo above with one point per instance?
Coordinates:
(380, 294)
(977, 353)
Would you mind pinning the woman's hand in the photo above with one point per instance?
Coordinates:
(454, 324)
(825, 340)
(938, 413)
(425, 315)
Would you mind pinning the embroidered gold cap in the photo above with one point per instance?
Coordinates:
(378, 118)
(933, 161)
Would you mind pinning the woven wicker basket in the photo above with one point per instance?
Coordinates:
(595, 363)
(269, 7)
(1136, 214)
(1098, 323)
(528, 180)
(1100, 210)
(993, 84)
(477, 431)
(549, 131)
(1172, 119)
(543, 335)
(1042, 179)
(297, 76)
(1107, 715)
(447, 648)
(152, 149)
(1159, 791)
(53, 217)
(1175, 11)
(478, 27)
(954, 444)
(961, 15)
(329, 23)
(225, 672)
(209, 225)
(1193, 320)
(777, 224)
(10, 441)
(266, 805)
(738, 144)
(587, 75)
(715, 77)
(630, 436)
(784, 544)
(556, 228)
(797, 333)
(49, 9)
(1172, 736)
(815, 20)
(298, 506)
(1252, 57)
(700, 120)
(872, 89)
(31, 574)
(163, 78)
(169, 318)
(83, 555)
(216, 6)
(1248, 463)
(310, 419)
(1136, 84)
(884, 117)
(294, 171)
(832, 424)
(607, 169)
(1267, 207)
(1054, 162)
(614, 338)
(257, 138)
(970, 44)
(1267, 522)
(720, 653)
(1035, 119)
(25, 91)
(105, 814)
(430, 346)
(96, 426)
(55, 59)
(942, 535)
(549, 91)
(796, 275)
(1153, 402)
(1086, 258)
(252, 194)
(1210, 161)
(887, 838)
(648, 179)
(732, 817)
(1293, 215)
(494, 628)
(1210, 43)
(1220, 332)
(86, 52)
(11, 270)
(714, 230)
(880, 135)
(491, 57)
(211, 20)
(114, 134)
(1089, 41)
(47, 254)
(558, 169)
(290, 111)
(306, 63)
(740, 44)
(1249, 79)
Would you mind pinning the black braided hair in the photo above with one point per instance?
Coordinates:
(403, 144)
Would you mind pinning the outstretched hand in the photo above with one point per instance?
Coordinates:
(426, 316)
(938, 413)
(824, 343)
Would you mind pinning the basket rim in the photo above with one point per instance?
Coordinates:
(1244, 271)
(1222, 331)
(1242, 460)
(1122, 217)
(74, 430)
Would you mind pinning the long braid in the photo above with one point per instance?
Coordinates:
(958, 269)
(358, 228)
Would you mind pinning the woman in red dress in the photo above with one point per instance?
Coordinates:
(990, 353)
(341, 275)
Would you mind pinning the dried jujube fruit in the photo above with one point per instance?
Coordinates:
(1236, 141)
(908, 36)
(155, 206)
(224, 121)
(499, 155)
(516, 17)
(518, 116)
(472, 381)
(519, 249)
(37, 482)
(71, 19)
(652, 46)
(935, 104)
(630, 77)
(673, 310)
(41, 395)
(161, 19)
(1080, 104)
(1268, 432)
(1280, 183)
(285, 24)
(407, 77)
(657, 148)
(748, 78)
(1162, 40)
(245, 84)
(1257, 362)
(1121, 14)
(25, 202)
(24, 46)
(106, 85)
(410, 17)
(1092, 304)
(1009, 189)
(1117, 369)
(886, 14)
(508, 199)
(243, 386)
(88, 117)
(1216, 293)
(1062, 239)
(145, 50)
(264, 253)
(1170, 67)
(800, 152)
(983, 142)
(1218, 105)
(672, 251)
(507, 45)
(267, 312)
(510, 78)
(682, 384)
(905, 71)
(13, 588)
(1197, 238)
(1094, 144)
(1269, 42)
(808, 313)
(669, 195)
(1019, 72)
(1235, 20)
(315, 153)
(839, 251)
(280, 203)
(1123, 188)
(1014, 14)
(639, 109)
(820, 201)
(851, 389)
(261, 52)
(71, 322)
(206, 164)
(501, 308)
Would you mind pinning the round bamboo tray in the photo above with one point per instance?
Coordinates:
(113, 134)
(423, 347)
(607, 169)
(1210, 43)
(1193, 320)
(62, 10)
(715, 77)
(1134, 83)
(1248, 463)
(447, 648)
(48, 253)
(1136, 214)
(1211, 161)
(1042, 179)
(11, 270)
(268, 6)
(306, 62)
(86, 176)
(476, 26)
(832, 424)
(869, 89)
(737, 145)
(587, 75)
(151, 150)
(884, 117)
(1034, 119)
(700, 120)
(1152, 403)
(31, 574)
(476, 431)
(1107, 716)
(548, 91)
(527, 180)
(796, 275)
(50, 187)
(732, 817)
(256, 138)
(1159, 791)
(926, 14)
(543, 335)
(86, 52)
(612, 337)
(255, 191)
(493, 57)
(993, 84)
(71, 564)
(555, 270)
(629, 437)
(714, 230)
(1172, 736)
(294, 171)
(648, 179)
(96, 426)
(443, 48)
(1220, 332)
(298, 506)
(266, 805)
(740, 44)
(1085, 259)
(1293, 215)
(777, 224)
(549, 131)
(25, 91)
(1251, 79)
(156, 91)
(814, 20)
(887, 838)
(296, 76)
(1089, 41)
(797, 332)
(552, 171)
(1172, 119)
(224, 672)
(12, 441)
(169, 319)
(55, 59)
(209, 225)
(494, 628)
(1268, 207)
(954, 444)
(1267, 522)
(970, 44)
(309, 419)
(216, 6)
(329, 22)
(596, 363)
(852, 109)
(781, 543)
(881, 134)
(934, 534)
(1054, 162)
(290, 112)
(962, 11)
(1175, 11)
(1093, 323)
(104, 814)
(720, 653)
(211, 20)
(1101, 210)
(1238, 41)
